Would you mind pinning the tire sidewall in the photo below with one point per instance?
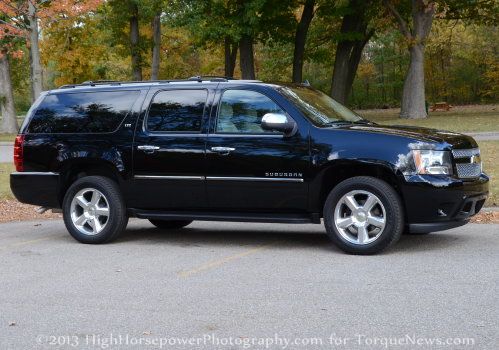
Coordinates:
(116, 209)
(393, 226)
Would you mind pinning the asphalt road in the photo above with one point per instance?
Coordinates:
(220, 283)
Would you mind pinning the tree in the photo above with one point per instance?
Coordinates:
(9, 121)
(354, 35)
(156, 35)
(239, 24)
(415, 24)
(125, 18)
(134, 41)
(413, 95)
(25, 15)
(300, 40)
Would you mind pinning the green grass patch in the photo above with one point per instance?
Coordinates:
(5, 170)
(490, 157)
(7, 137)
(459, 119)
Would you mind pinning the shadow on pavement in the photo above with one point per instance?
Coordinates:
(285, 238)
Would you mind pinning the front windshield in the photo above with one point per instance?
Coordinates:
(321, 109)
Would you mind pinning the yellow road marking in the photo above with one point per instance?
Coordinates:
(219, 262)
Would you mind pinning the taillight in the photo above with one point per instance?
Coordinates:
(18, 153)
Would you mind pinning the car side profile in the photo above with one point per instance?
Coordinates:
(175, 151)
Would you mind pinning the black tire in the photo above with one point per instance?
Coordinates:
(170, 224)
(117, 218)
(394, 220)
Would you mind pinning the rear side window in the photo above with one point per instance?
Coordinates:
(177, 111)
(87, 112)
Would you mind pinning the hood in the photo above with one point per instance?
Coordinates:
(453, 139)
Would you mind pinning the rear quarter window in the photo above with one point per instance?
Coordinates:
(85, 112)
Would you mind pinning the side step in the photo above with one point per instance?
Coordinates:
(225, 216)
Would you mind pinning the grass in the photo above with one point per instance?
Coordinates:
(5, 170)
(7, 137)
(477, 118)
(490, 157)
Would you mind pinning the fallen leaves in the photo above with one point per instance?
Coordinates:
(486, 217)
(12, 210)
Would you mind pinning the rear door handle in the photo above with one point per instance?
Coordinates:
(148, 148)
(223, 150)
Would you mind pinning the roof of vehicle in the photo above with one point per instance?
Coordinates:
(147, 83)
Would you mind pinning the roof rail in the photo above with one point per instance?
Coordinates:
(215, 78)
(198, 78)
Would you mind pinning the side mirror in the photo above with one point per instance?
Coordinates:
(278, 122)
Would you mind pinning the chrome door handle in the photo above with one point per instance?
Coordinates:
(223, 150)
(148, 148)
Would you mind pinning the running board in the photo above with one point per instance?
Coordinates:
(225, 216)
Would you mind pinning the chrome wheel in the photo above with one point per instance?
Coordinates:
(360, 217)
(89, 211)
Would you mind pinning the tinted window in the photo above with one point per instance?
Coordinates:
(177, 110)
(241, 111)
(321, 109)
(87, 112)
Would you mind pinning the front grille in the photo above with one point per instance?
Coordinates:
(465, 153)
(468, 162)
(466, 171)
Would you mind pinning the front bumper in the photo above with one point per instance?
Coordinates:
(37, 188)
(435, 203)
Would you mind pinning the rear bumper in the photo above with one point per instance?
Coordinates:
(37, 188)
(436, 203)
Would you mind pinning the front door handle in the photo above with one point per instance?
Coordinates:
(223, 150)
(148, 148)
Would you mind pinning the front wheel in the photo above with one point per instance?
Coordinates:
(363, 215)
(93, 210)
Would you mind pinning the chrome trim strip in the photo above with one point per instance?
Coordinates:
(218, 178)
(247, 178)
(174, 177)
(44, 173)
(242, 135)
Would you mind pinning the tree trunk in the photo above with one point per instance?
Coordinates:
(34, 50)
(230, 57)
(413, 95)
(346, 62)
(246, 60)
(9, 121)
(301, 39)
(134, 43)
(156, 37)
(348, 51)
(339, 89)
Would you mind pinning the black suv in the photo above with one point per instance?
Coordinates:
(233, 150)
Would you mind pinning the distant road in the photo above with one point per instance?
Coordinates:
(6, 153)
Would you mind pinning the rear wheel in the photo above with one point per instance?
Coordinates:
(170, 224)
(93, 210)
(363, 215)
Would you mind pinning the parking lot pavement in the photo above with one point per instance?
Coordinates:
(224, 283)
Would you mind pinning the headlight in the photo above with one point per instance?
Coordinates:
(432, 162)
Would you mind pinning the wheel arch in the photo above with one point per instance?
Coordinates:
(337, 171)
(75, 169)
